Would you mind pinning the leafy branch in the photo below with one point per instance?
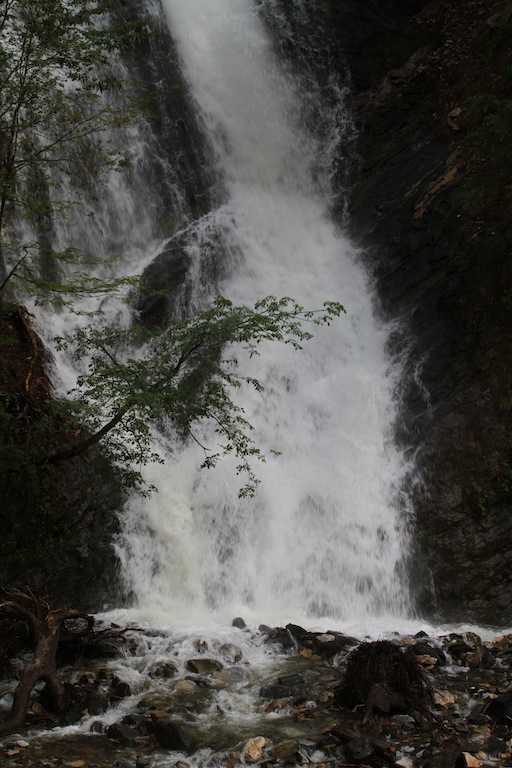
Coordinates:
(182, 376)
(60, 96)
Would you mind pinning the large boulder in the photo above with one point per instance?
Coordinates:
(163, 286)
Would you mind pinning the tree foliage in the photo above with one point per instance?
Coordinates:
(492, 135)
(185, 375)
(487, 148)
(59, 97)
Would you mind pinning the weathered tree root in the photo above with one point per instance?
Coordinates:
(384, 678)
(46, 623)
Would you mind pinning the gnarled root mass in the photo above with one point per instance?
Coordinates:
(46, 623)
(384, 678)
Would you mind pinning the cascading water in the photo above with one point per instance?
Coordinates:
(322, 538)
(323, 542)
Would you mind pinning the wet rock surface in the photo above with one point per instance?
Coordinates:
(70, 549)
(361, 706)
(433, 210)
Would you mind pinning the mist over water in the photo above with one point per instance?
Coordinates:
(323, 538)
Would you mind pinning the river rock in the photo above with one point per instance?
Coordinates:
(230, 675)
(476, 717)
(328, 644)
(297, 632)
(424, 648)
(443, 699)
(122, 733)
(276, 705)
(87, 678)
(81, 699)
(253, 750)
(173, 735)
(204, 666)
(467, 760)
(503, 643)
(275, 692)
(230, 653)
(499, 709)
(186, 687)
(118, 689)
(291, 681)
(474, 659)
(164, 670)
(462, 645)
(360, 749)
(286, 750)
(278, 635)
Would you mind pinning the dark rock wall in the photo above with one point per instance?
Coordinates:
(177, 166)
(57, 523)
(442, 265)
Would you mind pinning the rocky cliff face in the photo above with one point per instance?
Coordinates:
(57, 522)
(432, 203)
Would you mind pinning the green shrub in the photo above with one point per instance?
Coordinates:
(494, 40)
(491, 136)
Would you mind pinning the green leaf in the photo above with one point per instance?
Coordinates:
(182, 376)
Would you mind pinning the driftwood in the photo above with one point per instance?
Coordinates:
(383, 678)
(46, 623)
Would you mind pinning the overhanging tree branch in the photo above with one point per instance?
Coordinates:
(55, 81)
(183, 377)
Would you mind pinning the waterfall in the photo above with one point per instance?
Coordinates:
(322, 538)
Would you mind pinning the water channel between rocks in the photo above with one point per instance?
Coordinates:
(240, 695)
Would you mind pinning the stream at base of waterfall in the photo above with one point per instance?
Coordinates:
(229, 697)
